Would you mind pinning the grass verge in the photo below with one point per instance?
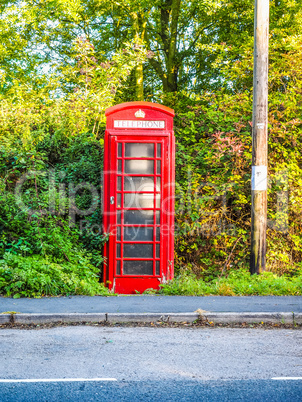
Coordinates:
(238, 283)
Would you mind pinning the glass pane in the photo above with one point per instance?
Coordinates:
(138, 250)
(133, 200)
(119, 166)
(119, 200)
(158, 217)
(138, 233)
(118, 217)
(119, 150)
(157, 234)
(157, 200)
(118, 267)
(158, 151)
(158, 180)
(118, 233)
(118, 250)
(158, 168)
(138, 183)
(137, 150)
(138, 217)
(139, 166)
(157, 250)
(119, 183)
(138, 267)
(157, 268)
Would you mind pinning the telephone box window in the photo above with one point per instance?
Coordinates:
(119, 151)
(158, 184)
(138, 267)
(158, 171)
(157, 268)
(118, 217)
(119, 183)
(118, 250)
(138, 233)
(139, 166)
(118, 267)
(138, 183)
(158, 151)
(139, 150)
(144, 200)
(119, 166)
(138, 250)
(138, 217)
(157, 250)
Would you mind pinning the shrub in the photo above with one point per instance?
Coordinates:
(36, 276)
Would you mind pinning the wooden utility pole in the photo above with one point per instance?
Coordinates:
(259, 160)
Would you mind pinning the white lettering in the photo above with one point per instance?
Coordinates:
(159, 124)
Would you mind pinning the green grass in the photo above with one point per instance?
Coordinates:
(239, 283)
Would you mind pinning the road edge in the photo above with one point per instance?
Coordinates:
(189, 317)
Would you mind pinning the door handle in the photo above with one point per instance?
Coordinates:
(111, 200)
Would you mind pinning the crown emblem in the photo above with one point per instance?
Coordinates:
(140, 114)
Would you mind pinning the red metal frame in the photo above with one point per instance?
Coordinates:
(115, 278)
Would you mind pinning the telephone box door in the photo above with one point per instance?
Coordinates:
(137, 245)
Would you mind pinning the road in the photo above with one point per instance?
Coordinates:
(142, 363)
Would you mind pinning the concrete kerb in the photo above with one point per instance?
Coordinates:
(297, 318)
(216, 318)
(5, 318)
(57, 318)
(152, 317)
(249, 318)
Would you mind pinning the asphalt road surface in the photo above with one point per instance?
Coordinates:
(150, 364)
(246, 390)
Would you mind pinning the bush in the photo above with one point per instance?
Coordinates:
(37, 276)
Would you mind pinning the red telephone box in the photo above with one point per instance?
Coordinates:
(138, 198)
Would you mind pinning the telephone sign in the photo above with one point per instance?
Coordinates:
(138, 197)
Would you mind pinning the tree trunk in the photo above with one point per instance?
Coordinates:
(172, 67)
(169, 19)
(139, 79)
(139, 28)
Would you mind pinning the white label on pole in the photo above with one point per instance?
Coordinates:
(259, 178)
(260, 126)
(157, 124)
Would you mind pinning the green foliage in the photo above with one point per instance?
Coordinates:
(34, 276)
(41, 253)
(70, 102)
(213, 134)
(239, 283)
(212, 175)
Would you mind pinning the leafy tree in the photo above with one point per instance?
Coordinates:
(190, 44)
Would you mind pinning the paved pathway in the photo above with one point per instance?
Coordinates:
(153, 304)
